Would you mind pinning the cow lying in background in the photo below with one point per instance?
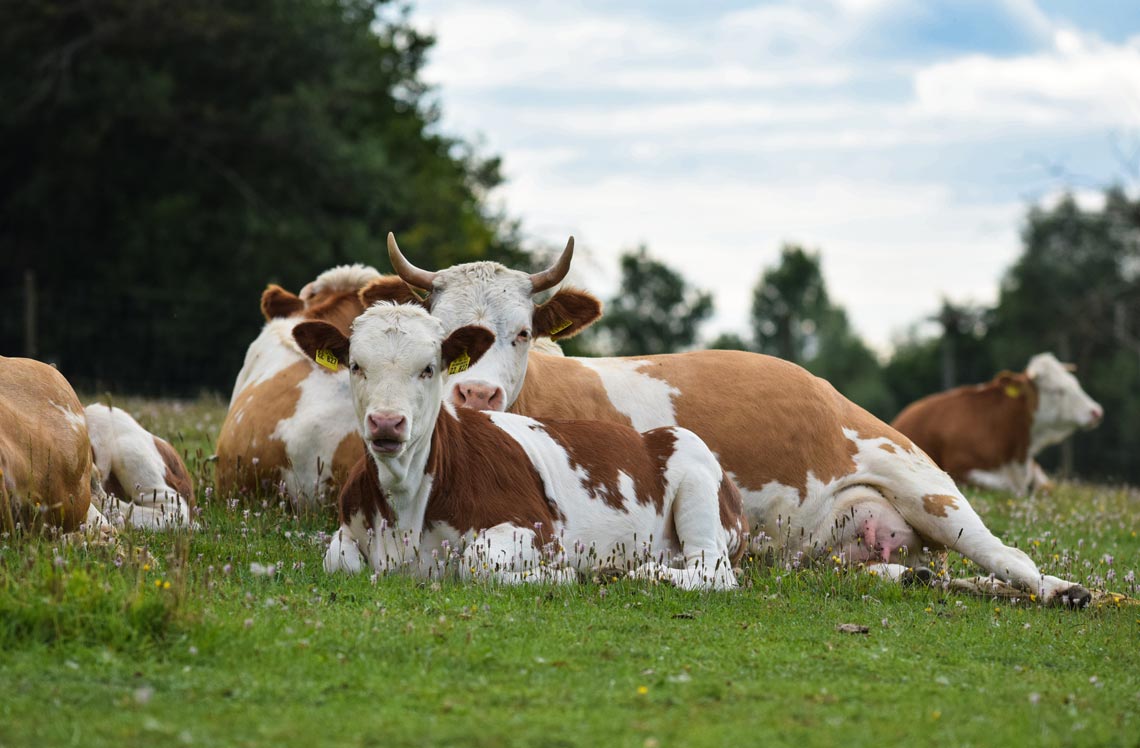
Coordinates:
(525, 500)
(818, 474)
(46, 476)
(290, 424)
(988, 434)
(146, 481)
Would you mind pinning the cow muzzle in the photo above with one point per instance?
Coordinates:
(477, 395)
(387, 432)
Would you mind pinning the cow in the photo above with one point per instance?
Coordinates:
(46, 475)
(144, 478)
(818, 474)
(290, 426)
(988, 434)
(520, 499)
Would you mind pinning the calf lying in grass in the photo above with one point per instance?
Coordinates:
(520, 499)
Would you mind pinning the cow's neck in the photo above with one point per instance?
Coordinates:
(406, 483)
(1045, 430)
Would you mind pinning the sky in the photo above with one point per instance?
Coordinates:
(902, 139)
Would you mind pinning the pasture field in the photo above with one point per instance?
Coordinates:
(234, 636)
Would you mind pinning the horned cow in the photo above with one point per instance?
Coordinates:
(818, 474)
(521, 499)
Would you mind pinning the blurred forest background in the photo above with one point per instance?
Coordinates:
(162, 162)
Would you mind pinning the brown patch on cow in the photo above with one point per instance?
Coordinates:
(481, 477)
(604, 450)
(361, 494)
(338, 308)
(45, 456)
(888, 447)
(557, 387)
(732, 516)
(177, 476)
(567, 313)
(389, 288)
(347, 454)
(276, 302)
(241, 442)
(936, 504)
(974, 427)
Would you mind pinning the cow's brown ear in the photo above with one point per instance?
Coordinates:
(567, 313)
(276, 302)
(464, 347)
(323, 343)
(389, 288)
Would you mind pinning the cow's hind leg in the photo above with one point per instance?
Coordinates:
(696, 516)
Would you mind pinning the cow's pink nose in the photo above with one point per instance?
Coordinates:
(1096, 414)
(478, 396)
(388, 427)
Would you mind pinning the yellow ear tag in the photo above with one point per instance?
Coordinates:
(460, 363)
(326, 359)
(560, 327)
(1012, 390)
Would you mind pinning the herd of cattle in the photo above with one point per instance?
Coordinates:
(459, 436)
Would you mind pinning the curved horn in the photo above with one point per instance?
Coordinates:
(554, 274)
(410, 274)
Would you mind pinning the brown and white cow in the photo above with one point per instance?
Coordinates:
(46, 475)
(988, 434)
(290, 425)
(818, 473)
(146, 481)
(519, 499)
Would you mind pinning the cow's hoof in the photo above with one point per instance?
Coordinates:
(1075, 597)
(919, 577)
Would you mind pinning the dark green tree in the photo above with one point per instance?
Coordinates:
(793, 318)
(161, 162)
(656, 311)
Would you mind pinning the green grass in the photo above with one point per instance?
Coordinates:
(172, 639)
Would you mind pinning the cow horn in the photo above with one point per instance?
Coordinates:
(554, 274)
(410, 274)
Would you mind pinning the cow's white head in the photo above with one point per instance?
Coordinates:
(489, 295)
(1062, 405)
(397, 357)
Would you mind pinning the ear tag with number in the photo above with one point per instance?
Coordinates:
(1012, 390)
(462, 362)
(560, 326)
(326, 359)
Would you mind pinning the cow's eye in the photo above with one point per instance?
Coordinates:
(354, 367)
(522, 337)
(428, 372)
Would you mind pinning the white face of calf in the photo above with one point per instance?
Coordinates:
(397, 357)
(489, 295)
(1062, 405)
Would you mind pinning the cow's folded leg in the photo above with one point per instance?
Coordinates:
(509, 554)
(343, 553)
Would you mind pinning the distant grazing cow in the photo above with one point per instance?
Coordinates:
(988, 434)
(146, 480)
(526, 499)
(818, 474)
(290, 424)
(45, 456)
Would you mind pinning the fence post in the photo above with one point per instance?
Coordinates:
(31, 349)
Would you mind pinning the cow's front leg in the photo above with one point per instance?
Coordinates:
(509, 554)
(343, 553)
